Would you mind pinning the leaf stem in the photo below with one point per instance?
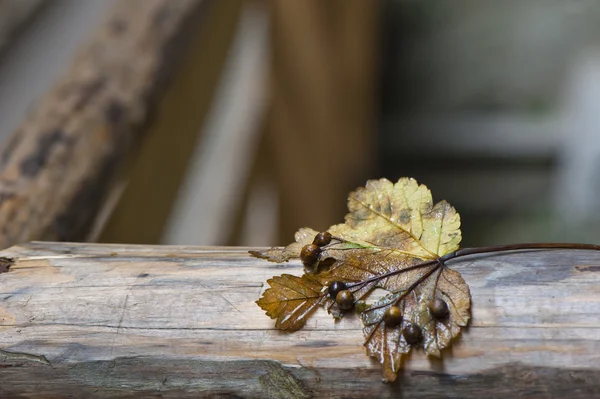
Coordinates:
(439, 266)
(441, 261)
(513, 247)
(394, 272)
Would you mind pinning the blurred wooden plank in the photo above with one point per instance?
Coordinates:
(228, 141)
(80, 320)
(321, 132)
(59, 165)
(14, 14)
(155, 177)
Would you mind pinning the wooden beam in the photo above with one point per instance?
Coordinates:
(154, 180)
(319, 134)
(14, 14)
(80, 320)
(56, 170)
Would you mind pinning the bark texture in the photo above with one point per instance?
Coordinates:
(83, 320)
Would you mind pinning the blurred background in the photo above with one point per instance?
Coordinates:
(276, 109)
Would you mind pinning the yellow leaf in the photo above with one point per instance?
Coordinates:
(401, 216)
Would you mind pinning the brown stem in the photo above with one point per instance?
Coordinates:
(439, 266)
(441, 261)
(513, 247)
(394, 272)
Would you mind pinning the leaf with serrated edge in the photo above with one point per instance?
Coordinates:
(303, 237)
(401, 216)
(279, 255)
(392, 238)
(383, 342)
(290, 300)
(437, 334)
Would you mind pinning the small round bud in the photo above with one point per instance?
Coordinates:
(322, 239)
(439, 309)
(412, 334)
(335, 287)
(310, 254)
(392, 316)
(345, 299)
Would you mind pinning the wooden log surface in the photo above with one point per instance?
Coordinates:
(83, 320)
(57, 168)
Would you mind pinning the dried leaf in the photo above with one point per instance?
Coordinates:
(394, 238)
(387, 343)
(401, 216)
(383, 342)
(290, 300)
(303, 236)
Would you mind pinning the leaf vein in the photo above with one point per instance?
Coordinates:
(415, 239)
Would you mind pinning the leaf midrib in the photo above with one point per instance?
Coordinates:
(432, 255)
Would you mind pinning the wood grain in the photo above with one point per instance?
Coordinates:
(175, 322)
(58, 167)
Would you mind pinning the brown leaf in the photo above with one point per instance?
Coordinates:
(279, 255)
(290, 300)
(363, 270)
(383, 342)
(393, 238)
(387, 343)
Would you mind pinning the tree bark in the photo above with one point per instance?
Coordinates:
(57, 168)
(84, 320)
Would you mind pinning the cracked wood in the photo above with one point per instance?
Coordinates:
(156, 321)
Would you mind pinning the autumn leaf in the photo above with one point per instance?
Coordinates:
(303, 237)
(416, 304)
(394, 238)
(400, 216)
(290, 300)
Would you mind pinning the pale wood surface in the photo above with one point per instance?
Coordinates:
(58, 167)
(125, 321)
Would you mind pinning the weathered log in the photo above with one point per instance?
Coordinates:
(79, 320)
(57, 168)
